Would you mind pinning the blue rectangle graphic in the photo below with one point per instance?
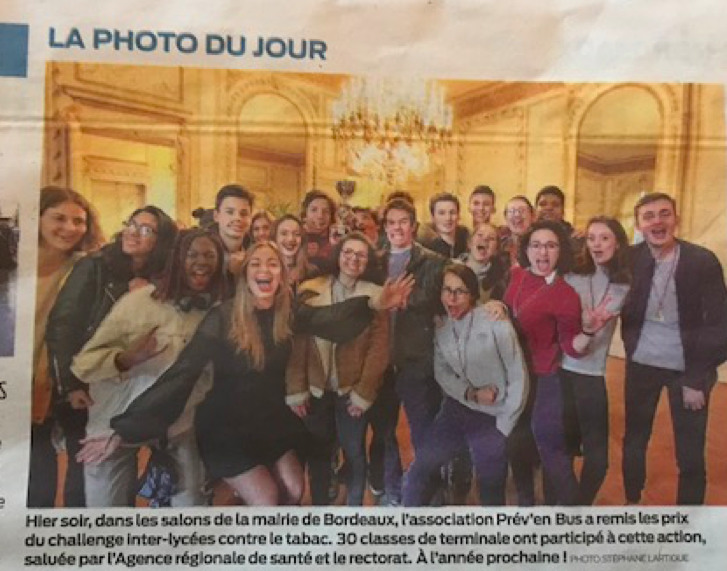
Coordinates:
(13, 50)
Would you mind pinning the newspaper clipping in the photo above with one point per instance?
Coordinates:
(336, 284)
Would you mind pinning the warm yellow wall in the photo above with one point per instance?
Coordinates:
(705, 211)
(138, 173)
(494, 155)
(545, 152)
(613, 195)
(517, 149)
(179, 128)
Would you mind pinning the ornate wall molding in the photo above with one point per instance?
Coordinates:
(243, 87)
(251, 85)
(671, 144)
(502, 95)
(115, 170)
(78, 111)
(144, 85)
(475, 131)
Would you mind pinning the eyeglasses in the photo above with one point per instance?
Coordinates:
(516, 211)
(360, 256)
(143, 230)
(550, 246)
(457, 292)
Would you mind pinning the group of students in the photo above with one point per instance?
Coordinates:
(250, 349)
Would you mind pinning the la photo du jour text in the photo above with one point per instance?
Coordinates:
(186, 43)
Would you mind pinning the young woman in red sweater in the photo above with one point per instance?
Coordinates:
(547, 311)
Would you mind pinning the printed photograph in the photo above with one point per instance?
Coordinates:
(263, 288)
(9, 236)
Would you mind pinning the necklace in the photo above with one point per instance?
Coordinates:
(462, 350)
(661, 297)
(517, 306)
(346, 290)
(605, 292)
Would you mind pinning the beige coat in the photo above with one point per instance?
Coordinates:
(133, 316)
(360, 363)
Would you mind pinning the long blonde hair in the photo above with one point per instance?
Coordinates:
(245, 329)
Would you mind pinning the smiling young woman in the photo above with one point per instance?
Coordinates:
(601, 278)
(548, 313)
(479, 365)
(245, 431)
(68, 227)
(136, 255)
(289, 234)
(329, 385)
(141, 336)
(261, 225)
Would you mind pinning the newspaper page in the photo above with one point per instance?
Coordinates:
(433, 436)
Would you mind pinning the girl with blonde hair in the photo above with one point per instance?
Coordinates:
(246, 433)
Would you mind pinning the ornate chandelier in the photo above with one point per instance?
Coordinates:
(392, 128)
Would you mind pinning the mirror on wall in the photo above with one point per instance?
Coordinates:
(271, 149)
(617, 154)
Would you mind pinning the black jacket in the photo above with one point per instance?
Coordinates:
(428, 237)
(412, 335)
(151, 414)
(702, 304)
(493, 283)
(85, 299)
(413, 332)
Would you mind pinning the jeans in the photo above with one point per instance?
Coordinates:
(43, 476)
(456, 428)
(114, 482)
(591, 414)
(384, 458)
(644, 385)
(522, 453)
(329, 422)
(73, 423)
(421, 398)
(549, 432)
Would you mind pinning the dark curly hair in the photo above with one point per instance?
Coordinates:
(172, 284)
(550, 190)
(565, 254)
